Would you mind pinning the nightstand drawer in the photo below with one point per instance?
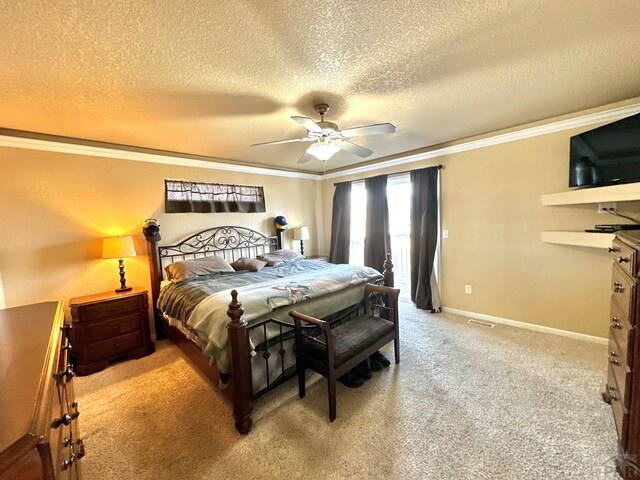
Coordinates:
(114, 346)
(106, 329)
(110, 309)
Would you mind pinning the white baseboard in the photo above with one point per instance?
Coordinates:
(527, 326)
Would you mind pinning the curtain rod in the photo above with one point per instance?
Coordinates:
(439, 167)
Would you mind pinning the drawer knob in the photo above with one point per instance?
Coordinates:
(67, 463)
(622, 260)
(612, 393)
(75, 414)
(67, 374)
(615, 323)
(80, 444)
(63, 420)
(66, 442)
(618, 287)
(613, 358)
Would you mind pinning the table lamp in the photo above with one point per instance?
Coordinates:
(302, 234)
(120, 248)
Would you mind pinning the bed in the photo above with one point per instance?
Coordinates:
(248, 353)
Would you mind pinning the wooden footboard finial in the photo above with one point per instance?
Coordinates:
(240, 365)
(388, 271)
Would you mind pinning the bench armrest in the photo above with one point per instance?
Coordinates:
(392, 292)
(298, 318)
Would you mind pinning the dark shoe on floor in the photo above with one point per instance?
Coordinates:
(380, 358)
(376, 366)
(363, 370)
(352, 379)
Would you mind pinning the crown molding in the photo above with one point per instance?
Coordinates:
(536, 131)
(162, 158)
(610, 115)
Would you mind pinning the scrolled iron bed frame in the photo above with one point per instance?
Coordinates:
(233, 242)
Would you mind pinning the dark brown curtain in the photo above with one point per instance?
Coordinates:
(341, 224)
(424, 234)
(377, 240)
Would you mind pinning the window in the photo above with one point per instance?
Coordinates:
(198, 197)
(358, 222)
(399, 202)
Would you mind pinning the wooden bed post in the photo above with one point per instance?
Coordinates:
(240, 365)
(155, 269)
(388, 271)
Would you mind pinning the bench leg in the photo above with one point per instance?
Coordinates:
(301, 371)
(332, 397)
(396, 349)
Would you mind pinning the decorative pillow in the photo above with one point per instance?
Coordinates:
(246, 263)
(178, 271)
(279, 256)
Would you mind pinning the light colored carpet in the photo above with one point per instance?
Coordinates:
(467, 402)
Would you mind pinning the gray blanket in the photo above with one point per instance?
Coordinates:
(200, 303)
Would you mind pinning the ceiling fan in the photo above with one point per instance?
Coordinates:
(328, 139)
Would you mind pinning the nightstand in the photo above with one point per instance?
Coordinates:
(318, 258)
(107, 326)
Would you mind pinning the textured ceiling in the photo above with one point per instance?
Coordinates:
(211, 78)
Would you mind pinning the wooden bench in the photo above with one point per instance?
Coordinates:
(335, 351)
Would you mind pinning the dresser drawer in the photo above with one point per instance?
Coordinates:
(110, 308)
(621, 372)
(621, 330)
(114, 347)
(106, 329)
(623, 292)
(625, 256)
(620, 413)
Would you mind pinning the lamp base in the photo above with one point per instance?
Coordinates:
(123, 280)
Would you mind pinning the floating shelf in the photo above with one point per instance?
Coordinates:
(579, 239)
(627, 192)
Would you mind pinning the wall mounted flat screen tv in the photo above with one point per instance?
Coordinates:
(607, 155)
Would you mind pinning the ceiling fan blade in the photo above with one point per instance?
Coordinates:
(376, 129)
(305, 158)
(308, 124)
(293, 140)
(347, 146)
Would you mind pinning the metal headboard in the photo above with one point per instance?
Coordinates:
(228, 242)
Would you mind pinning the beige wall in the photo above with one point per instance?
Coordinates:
(491, 207)
(56, 208)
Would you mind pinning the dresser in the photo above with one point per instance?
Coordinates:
(108, 326)
(39, 434)
(622, 390)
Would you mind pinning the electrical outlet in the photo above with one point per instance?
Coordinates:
(603, 207)
(445, 233)
(468, 289)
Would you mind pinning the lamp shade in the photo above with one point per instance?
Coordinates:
(301, 233)
(118, 247)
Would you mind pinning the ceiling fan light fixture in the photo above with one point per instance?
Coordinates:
(323, 150)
